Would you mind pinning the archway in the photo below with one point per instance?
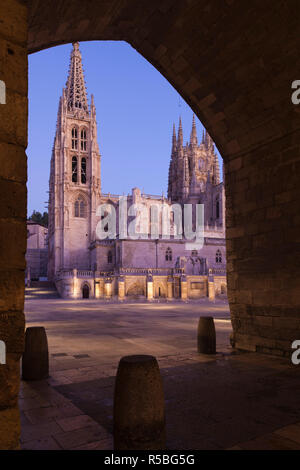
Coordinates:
(228, 73)
(85, 291)
(230, 64)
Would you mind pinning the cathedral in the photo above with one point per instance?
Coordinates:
(93, 251)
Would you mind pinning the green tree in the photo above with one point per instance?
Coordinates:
(39, 218)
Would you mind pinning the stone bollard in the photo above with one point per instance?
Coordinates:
(139, 410)
(35, 360)
(206, 336)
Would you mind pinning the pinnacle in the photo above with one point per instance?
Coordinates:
(194, 139)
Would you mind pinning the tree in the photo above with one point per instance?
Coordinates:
(39, 218)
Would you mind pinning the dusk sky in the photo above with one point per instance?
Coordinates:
(136, 107)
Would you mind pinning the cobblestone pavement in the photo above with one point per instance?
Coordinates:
(230, 400)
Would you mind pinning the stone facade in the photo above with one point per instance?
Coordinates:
(148, 265)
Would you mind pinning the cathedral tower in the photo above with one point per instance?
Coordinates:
(75, 178)
(194, 174)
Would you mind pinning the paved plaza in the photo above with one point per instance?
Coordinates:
(229, 400)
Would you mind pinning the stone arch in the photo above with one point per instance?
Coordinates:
(237, 76)
(135, 289)
(86, 290)
(160, 289)
(238, 81)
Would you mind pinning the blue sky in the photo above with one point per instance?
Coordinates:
(136, 107)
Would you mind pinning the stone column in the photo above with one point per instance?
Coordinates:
(97, 288)
(184, 293)
(149, 288)
(107, 289)
(75, 284)
(13, 238)
(170, 288)
(96, 285)
(121, 288)
(211, 286)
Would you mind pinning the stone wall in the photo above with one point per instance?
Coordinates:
(13, 173)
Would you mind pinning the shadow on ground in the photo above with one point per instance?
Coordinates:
(210, 405)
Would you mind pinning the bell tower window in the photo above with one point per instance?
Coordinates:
(83, 140)
(74, 170)
(83, 170)
(74, 138)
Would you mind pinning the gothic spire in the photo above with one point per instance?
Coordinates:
(180, 134)
(194, 139)
(174, 142)
(75, 86)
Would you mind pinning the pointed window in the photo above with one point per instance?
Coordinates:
(76, 212)
(168, 254)
(83, 141)
(109, 257)
(74, 138)
(83, 170)
(218, 256)
(74, 170)
(80, 208)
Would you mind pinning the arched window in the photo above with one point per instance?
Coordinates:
(76, 209)
(74, 138)
(80, 208)
(168, 254)
(83, 141)
(83, 170)
(74, 170)
(218, 256)
(201, 163)
(109, 257)
(217, 208)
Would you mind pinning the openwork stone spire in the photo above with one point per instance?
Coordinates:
(75, 86)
